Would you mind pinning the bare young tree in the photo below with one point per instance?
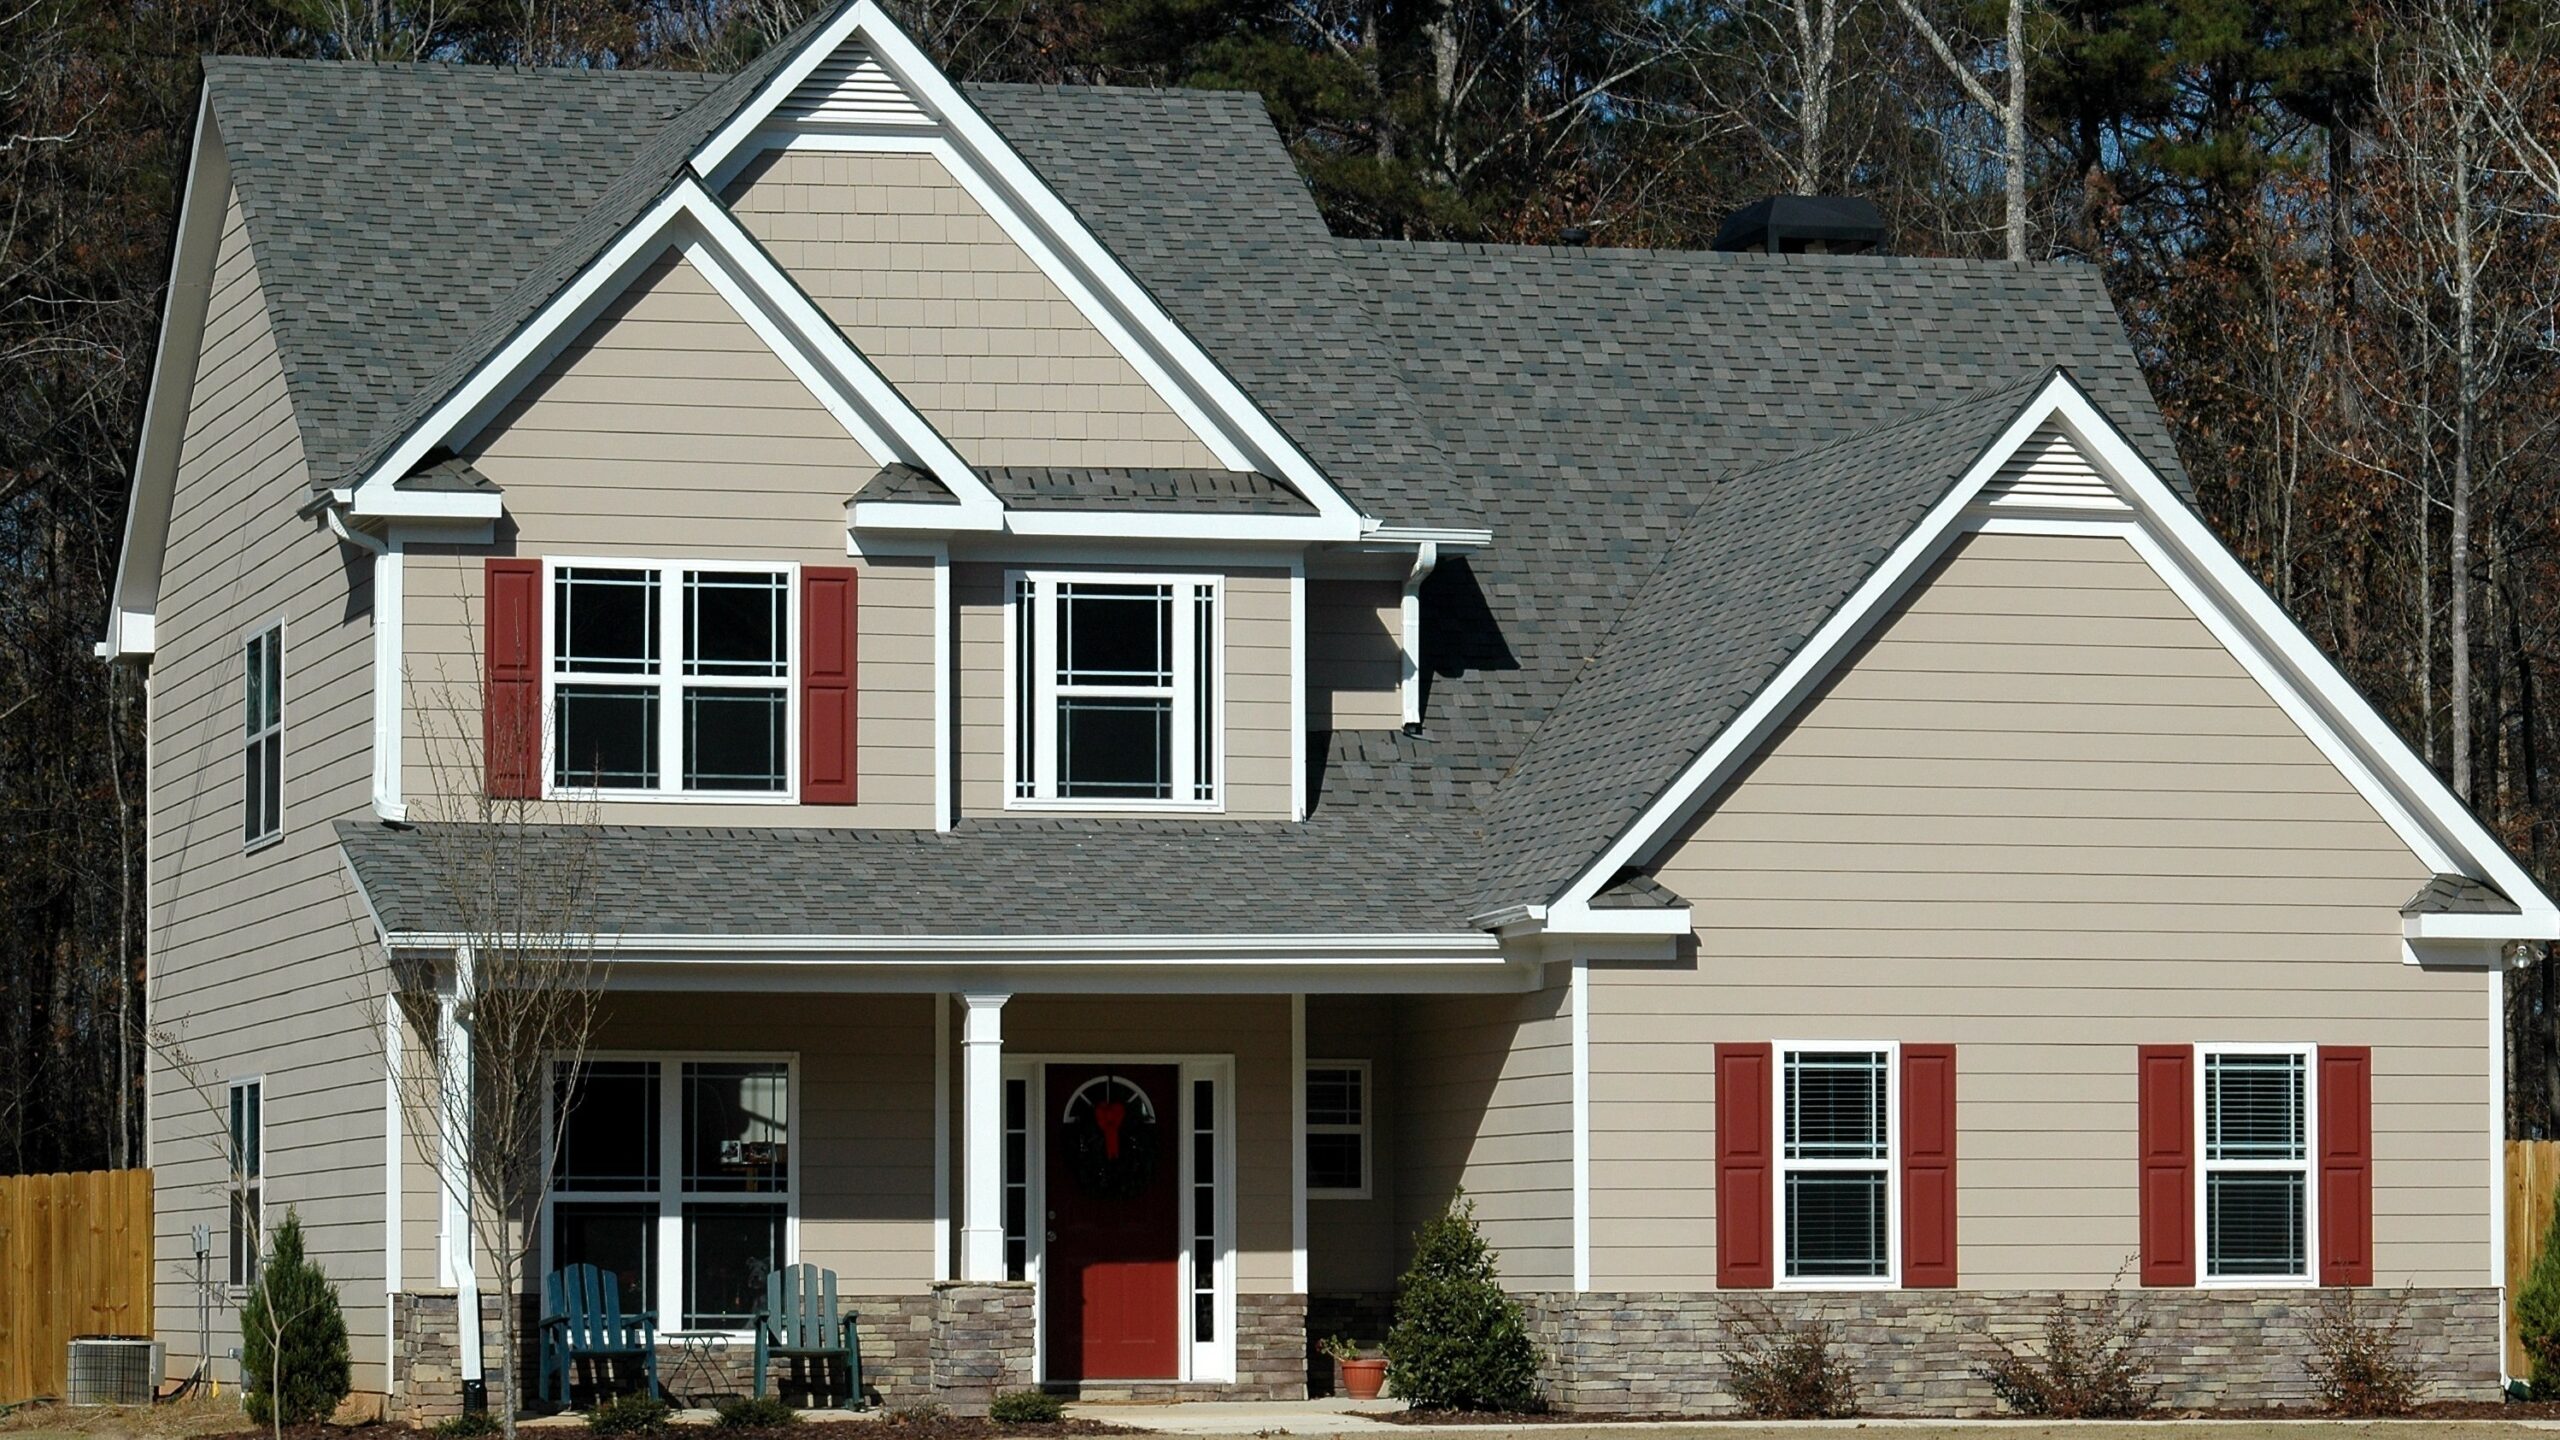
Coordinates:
(2009, 110)
(488, 1037)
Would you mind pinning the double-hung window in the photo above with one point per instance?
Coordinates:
(262, 730)
(1836, 1177)
(2256, 1107)
(248, 1158)
(1338, 1129)
(677, 1175)
(1114, 688)
(671, 679)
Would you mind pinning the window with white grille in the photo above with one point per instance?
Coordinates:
(2257, 1163)
(1835, 1163)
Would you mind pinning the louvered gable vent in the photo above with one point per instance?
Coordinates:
(2050, 473)
(850, 88)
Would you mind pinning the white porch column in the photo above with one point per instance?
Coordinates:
(982, 1136)
(454, 1094)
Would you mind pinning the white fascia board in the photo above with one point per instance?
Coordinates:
(2421, 809)
(1741, 738)
(1577, 919)
(689, 220)
(978, 145)
(912, 517)
(2497, 928)
(1447, 537)
(192, 253)
(389, 502)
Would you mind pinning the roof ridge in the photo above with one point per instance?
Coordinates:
(1869, 261)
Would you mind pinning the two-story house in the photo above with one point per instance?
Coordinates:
(1131, 748)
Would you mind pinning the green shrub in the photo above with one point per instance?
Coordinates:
(762, 1412)
(2538, 1314)
(1459, 1343)
(2360, 1359)
(1783, 1369)
(1027, 1407)
(293, 1340)
(467, 1425)
(2094, 1364)
(637, 1413)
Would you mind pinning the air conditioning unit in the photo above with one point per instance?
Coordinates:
(114, 1369)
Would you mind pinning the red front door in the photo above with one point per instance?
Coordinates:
(1113, 1285)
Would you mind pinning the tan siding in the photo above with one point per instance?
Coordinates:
(1256, 703)
(930, 288)
(1484, 1102)
(255, 961)
(2045, 817)
(1252, 1029)
(1355, 655)
(669, 431)
(1352, 1244)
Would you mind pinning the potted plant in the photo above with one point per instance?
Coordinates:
(1360, 1376)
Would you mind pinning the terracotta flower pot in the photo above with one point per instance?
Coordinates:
(1362, 1378)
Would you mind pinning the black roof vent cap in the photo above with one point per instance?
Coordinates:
(1797, 224)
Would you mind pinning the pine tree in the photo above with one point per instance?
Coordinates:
(293, 1340)
(2538, 1314)
(1459, 1342)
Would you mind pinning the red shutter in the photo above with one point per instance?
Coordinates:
(1928, 1166)
(2166, 1129)
(2346, 1165)
(827, 614)
(1746, 1166)
(511, 711)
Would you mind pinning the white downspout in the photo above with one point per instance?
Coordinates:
(1426, 557)
(388, 801)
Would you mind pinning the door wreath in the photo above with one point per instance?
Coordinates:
(1113, 1145)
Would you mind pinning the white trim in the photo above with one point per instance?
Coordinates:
(873, 517)
(946, 662)
(1426, 558)
(390, 799)
(2346, 727)
(1298, 1144)
(394, 1141)
(2497, 1250)
(1298, 673)
(942, 1135)
(689, 220)
(2308, 1167)
(1891, 1051)
(1577, 919)
(1183, 595)
(1063, 234)
(1581, 1001)
(238, 1181)
(670, 1195)
(669, 680)
(982, 1136)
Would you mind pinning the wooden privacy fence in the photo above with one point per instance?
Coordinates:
(75, 1259)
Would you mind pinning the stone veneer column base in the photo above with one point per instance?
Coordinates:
(426, 1381)
(981, 1343)
(1922, 1351)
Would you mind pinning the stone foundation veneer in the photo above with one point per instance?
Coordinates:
(981, 1343)
(427, 1384)
(1921, 1352)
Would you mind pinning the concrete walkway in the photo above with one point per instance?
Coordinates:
(1315, 1419)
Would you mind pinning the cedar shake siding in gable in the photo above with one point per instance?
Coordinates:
(930, 288)
(2044, 817)
(255, 959)
(669, 431)
(1256, 698)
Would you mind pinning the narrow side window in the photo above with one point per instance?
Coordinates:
(262, 730)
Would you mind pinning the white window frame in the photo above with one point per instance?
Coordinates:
(241, 1179)
(1042, 704)
(1368, 1111)
(270, 633)
(1783, 1052)
(2308, 1166)
(668, 1303)
(671, 682)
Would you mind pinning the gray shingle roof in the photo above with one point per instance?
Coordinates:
(907, 484)
(1767, 560)
(1136, 489)
(2459, 895)
(448, 475)
(1581, 403)
(1339, 874)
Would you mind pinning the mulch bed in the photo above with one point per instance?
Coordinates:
(2433, 1410)
(939, 1427)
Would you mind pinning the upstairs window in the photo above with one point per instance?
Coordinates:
(671, 679)
(1836, 1168)
(262, 727)
(2257, 1164)
(1114, 691)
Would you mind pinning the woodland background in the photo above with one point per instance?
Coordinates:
(2330, 226)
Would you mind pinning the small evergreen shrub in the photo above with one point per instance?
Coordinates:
(293, 1340)
(1782, 1369)
(467, 1425)
(760, 1412)
(2094, 1363)
(2360, 1360)
(1027, 1407)
(1459, 1342)
(2538, 1314)
(635, 1413)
